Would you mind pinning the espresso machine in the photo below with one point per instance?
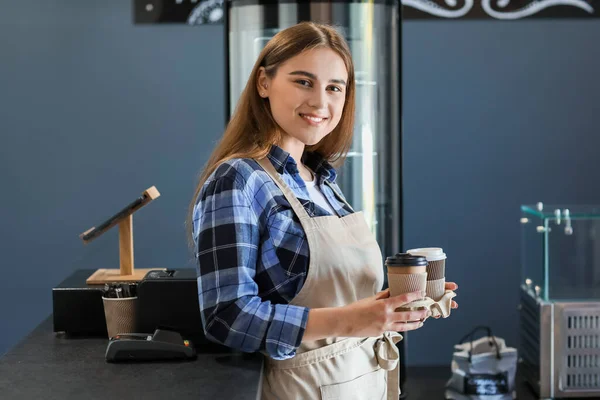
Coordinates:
(371, 175)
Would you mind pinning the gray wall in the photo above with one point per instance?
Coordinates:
(93, 110)
(496, 115)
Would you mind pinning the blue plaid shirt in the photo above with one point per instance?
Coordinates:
(252, 252)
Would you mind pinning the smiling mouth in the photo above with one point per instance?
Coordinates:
(313, 118)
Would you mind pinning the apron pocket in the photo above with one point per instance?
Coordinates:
(370, 386)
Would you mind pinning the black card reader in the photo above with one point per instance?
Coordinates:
(162, 345)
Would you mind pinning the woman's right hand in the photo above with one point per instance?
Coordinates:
(375, 315)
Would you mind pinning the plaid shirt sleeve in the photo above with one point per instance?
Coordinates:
(227, 236)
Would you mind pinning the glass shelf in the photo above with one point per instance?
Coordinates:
(575, 211)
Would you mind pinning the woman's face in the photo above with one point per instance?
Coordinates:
(307, 94)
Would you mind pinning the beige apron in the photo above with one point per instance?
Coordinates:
(345, 266)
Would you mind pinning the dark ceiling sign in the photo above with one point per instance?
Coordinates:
(500, 9)
(191, 12)
(202, 12)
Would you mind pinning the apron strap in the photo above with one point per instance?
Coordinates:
(388, 358)
(287, 192)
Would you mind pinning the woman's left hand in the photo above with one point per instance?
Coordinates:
(451, 286)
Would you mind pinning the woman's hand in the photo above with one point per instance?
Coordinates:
(452, 286)
(376, 314)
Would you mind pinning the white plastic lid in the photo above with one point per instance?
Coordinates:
(431, 253)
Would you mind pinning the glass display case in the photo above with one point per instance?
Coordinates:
(561, 251)
(560, 300)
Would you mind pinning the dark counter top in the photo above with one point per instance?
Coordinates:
(49, 366)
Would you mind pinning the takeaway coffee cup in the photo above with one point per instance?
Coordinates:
(436, 270)
(406, 273)
(120, 315)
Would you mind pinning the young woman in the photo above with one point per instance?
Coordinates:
(285, 265)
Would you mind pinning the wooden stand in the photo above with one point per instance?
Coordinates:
(127, 271)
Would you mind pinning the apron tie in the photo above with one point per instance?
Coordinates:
(387, 353)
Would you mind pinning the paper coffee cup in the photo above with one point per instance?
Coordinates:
(406, 273)
(120, 314)
(436, 270)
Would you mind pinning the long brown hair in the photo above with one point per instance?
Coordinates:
(252, 129)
